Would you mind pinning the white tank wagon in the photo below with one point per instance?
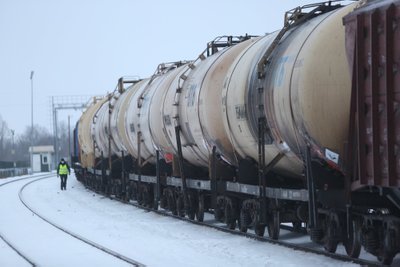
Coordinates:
(85, 137)
(101, 131)
(118, 111)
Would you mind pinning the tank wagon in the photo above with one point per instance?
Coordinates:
(298, 126)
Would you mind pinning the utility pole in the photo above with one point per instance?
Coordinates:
(69, 141)
(31, 150)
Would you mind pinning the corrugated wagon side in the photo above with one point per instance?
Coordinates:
(372, 36)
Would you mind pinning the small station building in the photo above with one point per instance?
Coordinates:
(42, 158)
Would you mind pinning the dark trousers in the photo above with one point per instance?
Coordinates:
(63, 181)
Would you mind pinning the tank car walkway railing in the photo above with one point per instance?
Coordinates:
(293, 18)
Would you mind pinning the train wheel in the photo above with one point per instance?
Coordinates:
(180, 206)
(192, 205)
(200, 209)
(259, 229)
(274, 225)
(389, 247)
(296, 226)
(171, 203)
(155, 205)
(139, 196)
(134, 191)
(155, 201)
(331, 241)
(219, 212)
(127, 193)
(353, 243)
(191, 215)
(147, 197)
(244, 220)
(163, 201)
(386, 259)
(230, 215)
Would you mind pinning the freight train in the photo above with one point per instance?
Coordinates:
(298, 126)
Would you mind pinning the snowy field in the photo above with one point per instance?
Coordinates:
(146, 237)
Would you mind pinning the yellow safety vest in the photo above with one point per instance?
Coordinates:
(63, 169)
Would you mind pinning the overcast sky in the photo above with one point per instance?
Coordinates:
(81, 47)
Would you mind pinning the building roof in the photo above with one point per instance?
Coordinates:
(42, 149)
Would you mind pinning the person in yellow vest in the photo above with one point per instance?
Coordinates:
(62, 171)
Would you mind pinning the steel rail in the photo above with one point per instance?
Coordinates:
(79, 237)
(22, 255)
(9, 243)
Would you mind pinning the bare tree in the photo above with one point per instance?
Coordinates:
(20, 144)
(40, 136)
(4, 132)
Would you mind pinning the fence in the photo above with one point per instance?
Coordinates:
(10, 172)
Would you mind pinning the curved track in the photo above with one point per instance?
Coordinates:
(19, 252)
(2, 236)
(49, 222)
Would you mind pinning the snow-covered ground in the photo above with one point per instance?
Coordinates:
(146, 237)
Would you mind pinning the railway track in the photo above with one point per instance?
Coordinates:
(286, 243)
(19, 252)
(24, 201)
(9, 243)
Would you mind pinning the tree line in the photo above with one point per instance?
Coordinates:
(14, 147)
